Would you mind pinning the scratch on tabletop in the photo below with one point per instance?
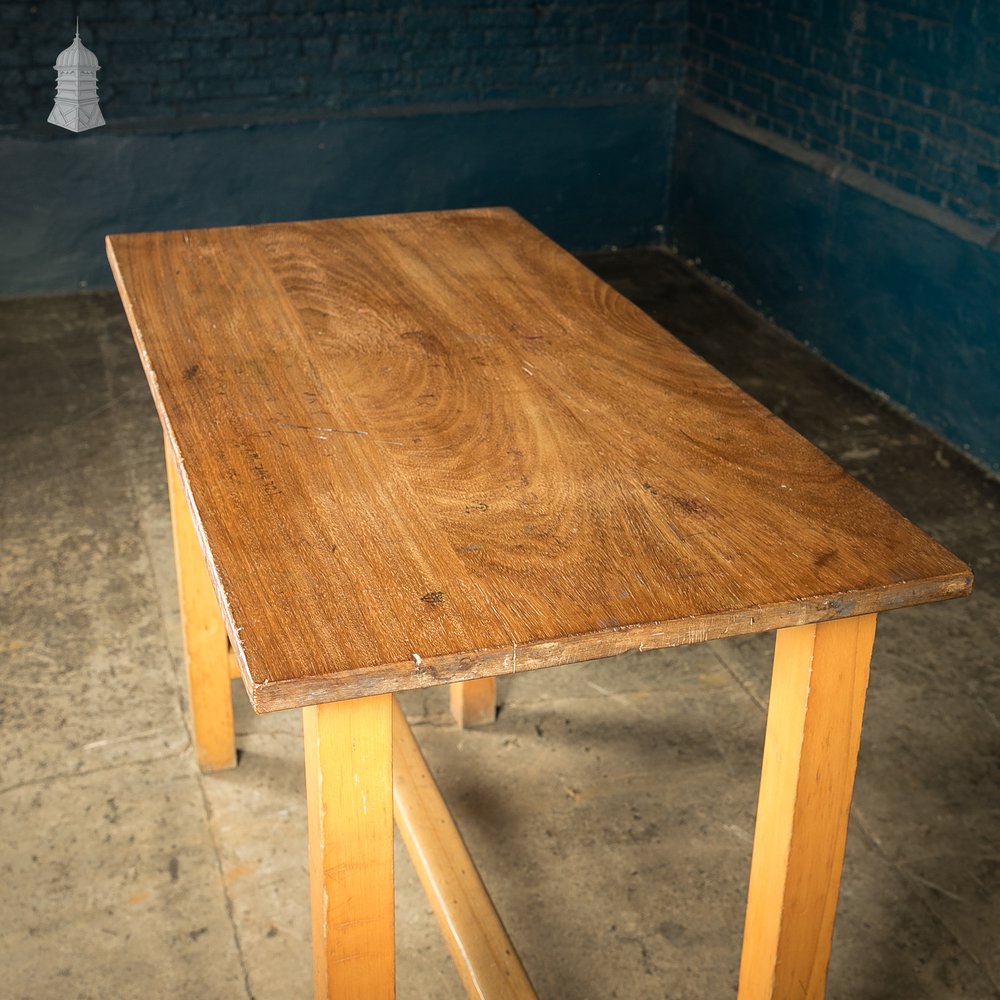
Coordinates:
(328, 430)
(672, 527)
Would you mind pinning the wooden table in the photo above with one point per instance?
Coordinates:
(420, 449)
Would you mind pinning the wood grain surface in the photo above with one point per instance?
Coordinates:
(206, 648)
(814, 712)
(424, 448)
(348, 758)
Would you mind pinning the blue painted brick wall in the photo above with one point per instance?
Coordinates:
(906, 90)
(168, 59)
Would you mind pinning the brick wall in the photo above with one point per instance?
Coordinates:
(906, 90)
(174, 58)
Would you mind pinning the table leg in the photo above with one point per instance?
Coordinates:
(474, 703)
(810, 753)
(348, 752)
(206, 646)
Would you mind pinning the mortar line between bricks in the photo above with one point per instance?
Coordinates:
(841, 171)
(167, 125)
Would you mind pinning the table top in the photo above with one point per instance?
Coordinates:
(429, 447)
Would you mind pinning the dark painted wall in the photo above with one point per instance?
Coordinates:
(838, 162)
(901, 304)
(255, 110)
(169, 59)
(905, 90)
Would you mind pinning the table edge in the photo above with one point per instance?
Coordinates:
(421, 672)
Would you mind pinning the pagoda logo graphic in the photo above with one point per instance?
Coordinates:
(76, 106)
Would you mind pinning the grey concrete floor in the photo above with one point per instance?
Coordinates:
(611, 806)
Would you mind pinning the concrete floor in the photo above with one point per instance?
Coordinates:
(611, 806)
